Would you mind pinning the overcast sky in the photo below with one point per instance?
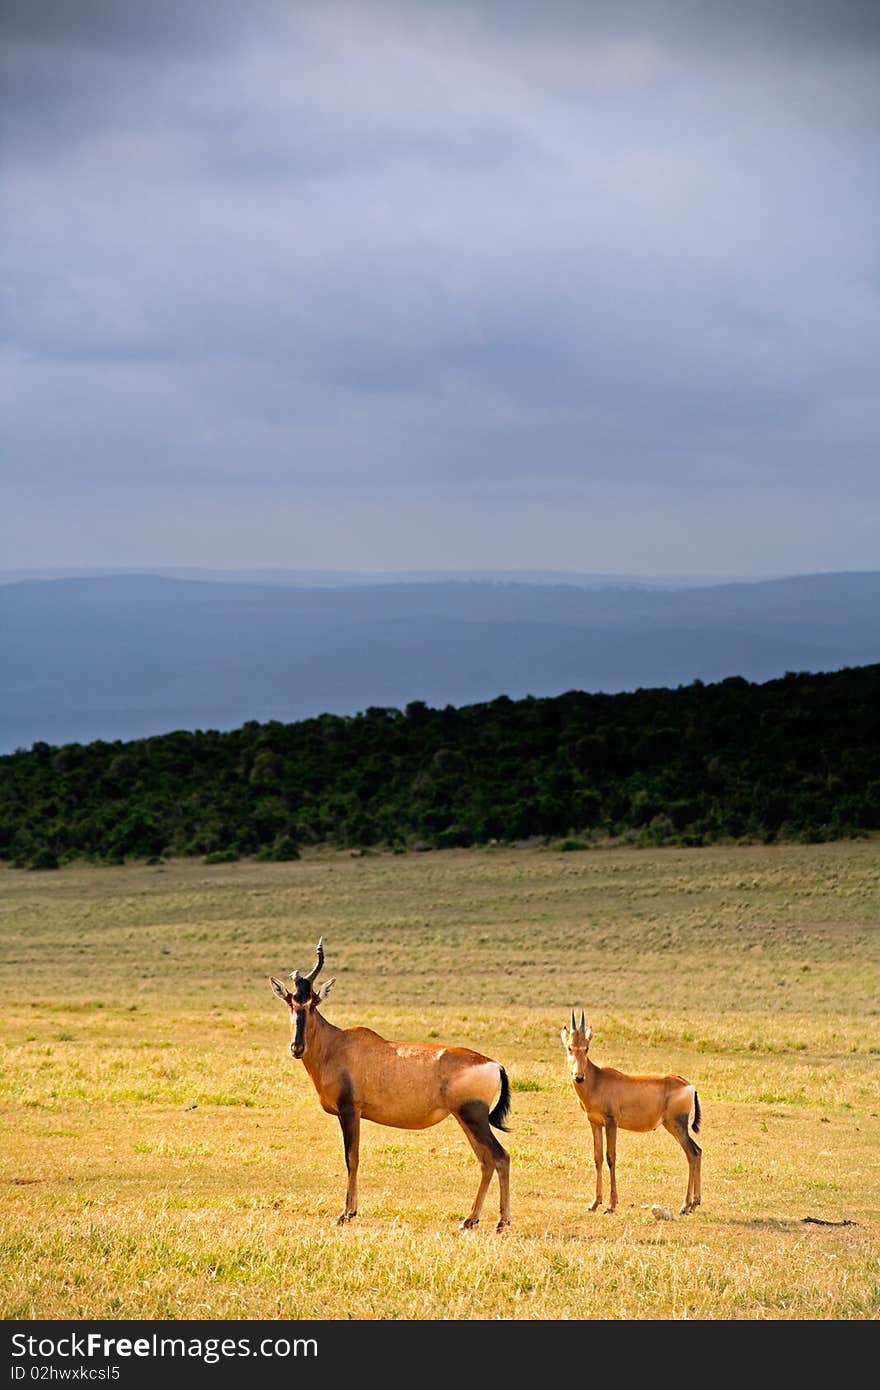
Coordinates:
(471, 285)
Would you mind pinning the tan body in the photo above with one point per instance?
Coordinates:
(405, 1085)
(359, 1075)
(614, 1100)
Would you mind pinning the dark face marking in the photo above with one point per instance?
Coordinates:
(298, 1046)
(302, 998)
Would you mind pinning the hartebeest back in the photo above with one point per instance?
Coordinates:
(612, 1100)
(360, 1075)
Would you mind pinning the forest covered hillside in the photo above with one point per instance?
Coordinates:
(793, 758)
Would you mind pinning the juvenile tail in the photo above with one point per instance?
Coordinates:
(698, 1114)
(500, 1113)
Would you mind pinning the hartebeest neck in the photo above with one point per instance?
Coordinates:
(319, 1042)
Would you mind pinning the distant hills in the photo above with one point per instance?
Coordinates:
(333, 579)
(126, 656)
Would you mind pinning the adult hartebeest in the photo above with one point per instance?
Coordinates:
(612, 1100)
(359, 1075)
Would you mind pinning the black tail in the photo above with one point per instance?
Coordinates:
(500, 1113)
(698, 1114)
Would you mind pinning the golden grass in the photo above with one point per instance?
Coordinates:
(163, 1157)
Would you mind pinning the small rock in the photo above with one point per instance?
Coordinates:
(660, 1213)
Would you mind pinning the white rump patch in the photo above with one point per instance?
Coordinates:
(486, 1081)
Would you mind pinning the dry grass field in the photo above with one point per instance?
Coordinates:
(162, 1155)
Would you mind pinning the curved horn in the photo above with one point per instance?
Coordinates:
(583, 1022)
(572, 1025)
(316, 969)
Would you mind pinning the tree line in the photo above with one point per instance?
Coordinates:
(796, 758)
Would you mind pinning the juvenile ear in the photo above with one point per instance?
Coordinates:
(325, 989)
(281, 991)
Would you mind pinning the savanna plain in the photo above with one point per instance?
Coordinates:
(164, 1157)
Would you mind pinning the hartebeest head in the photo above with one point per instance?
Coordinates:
(576, 1041)
(303, 999)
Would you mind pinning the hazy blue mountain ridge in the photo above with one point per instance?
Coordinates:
(125, 656)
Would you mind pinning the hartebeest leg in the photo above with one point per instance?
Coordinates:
(697, 1194)
(492, 1158)
(678, 1128)
(598, 1156)
(350, 1123)
(611, 1155)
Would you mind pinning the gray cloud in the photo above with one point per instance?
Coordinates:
(574, 285)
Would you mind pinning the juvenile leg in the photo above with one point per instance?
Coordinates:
(611, 1153)
(350, 1124)
(492, 1158)
(697, 1193)
(678, 1128)
(598, 1146)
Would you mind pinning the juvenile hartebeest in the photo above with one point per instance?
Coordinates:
(359, 1075)
(612, 1100)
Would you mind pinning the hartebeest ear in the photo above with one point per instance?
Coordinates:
(281, 990)
(325, 989)
(563, 1034)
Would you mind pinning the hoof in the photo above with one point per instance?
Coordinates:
(686, 1210)
(594, 1206)
(609, 1211)
(502, 1225)
(345, 1217)
(469, 1223)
